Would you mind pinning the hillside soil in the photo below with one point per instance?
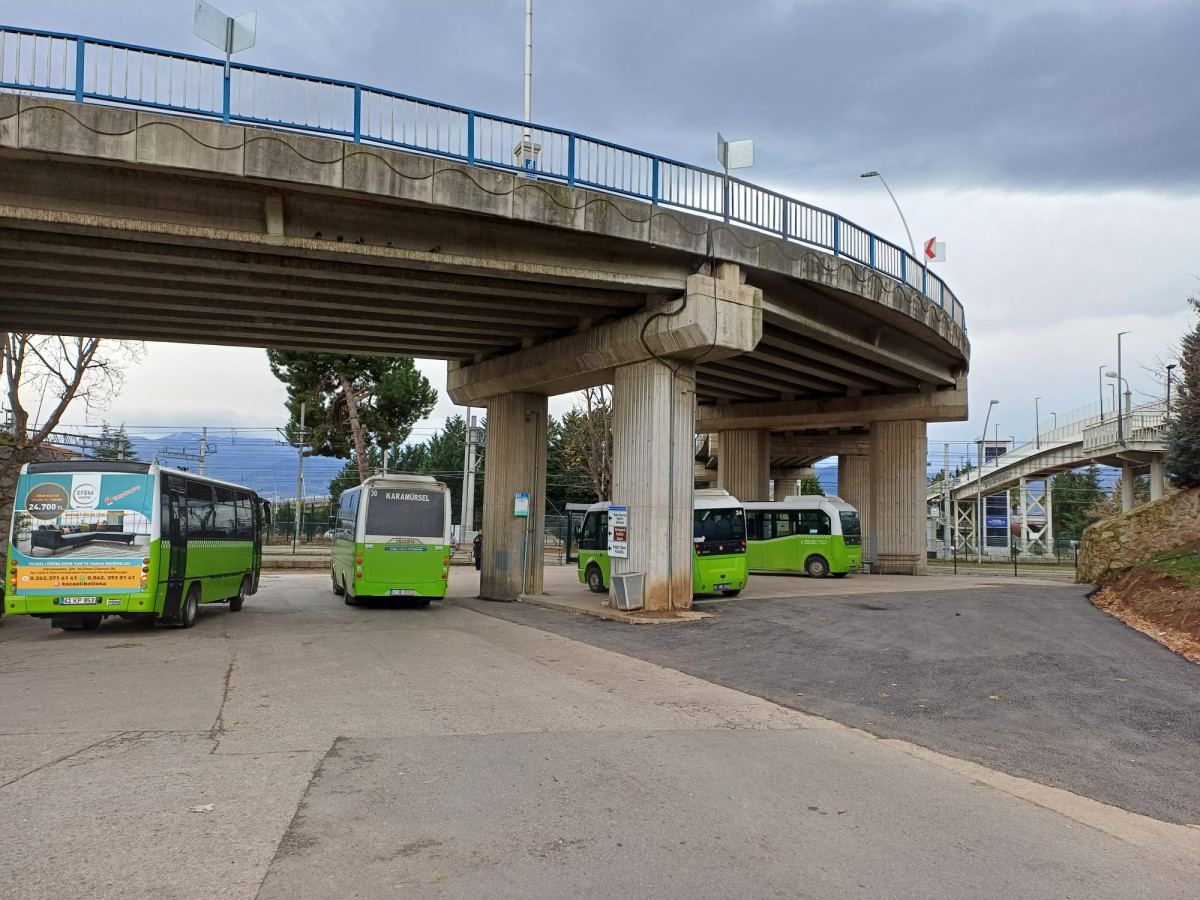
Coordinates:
(1161, 605)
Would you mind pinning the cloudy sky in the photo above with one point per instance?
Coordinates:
(1052, 144)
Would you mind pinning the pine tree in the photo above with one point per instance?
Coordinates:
(1183, 437)
(811, 486)
(114, 444)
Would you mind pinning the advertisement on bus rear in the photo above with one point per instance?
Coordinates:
(81, 530)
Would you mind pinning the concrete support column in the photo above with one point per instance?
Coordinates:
(1023, 507)
(898, 495)
(515, 463)
(1128, 481)
(744, 463)
(1048, 503)
(854, 486)
(654, 421)
(784, 483)
(1157, 479)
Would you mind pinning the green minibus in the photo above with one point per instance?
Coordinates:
(98, 538)
(718, 540)
(391, 538)
(814, 534)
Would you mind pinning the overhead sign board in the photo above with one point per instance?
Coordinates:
(222, 31)
(618, 531)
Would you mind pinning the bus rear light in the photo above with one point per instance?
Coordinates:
(358, 574)
(145, 570)
(146, 561)
(444, 576)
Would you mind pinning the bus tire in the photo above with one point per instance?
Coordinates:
(90, 621)
(350, 601)
(816, 566)
(191, 607)
(422, 603)
(338, 590)
(595, 579)
(235, 603)
(733, 593)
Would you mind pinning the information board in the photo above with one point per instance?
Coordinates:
(618, 532)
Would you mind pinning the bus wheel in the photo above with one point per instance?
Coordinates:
(732, 593)
(90, 621)
(595, 580)
(191, 608)
(338, 590)
(345, 592)
(816, 567)
(235, 603)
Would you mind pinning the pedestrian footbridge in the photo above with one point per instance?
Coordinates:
(1133, 442)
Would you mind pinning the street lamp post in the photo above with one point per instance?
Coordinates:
(911, 245)
(1120, 416)
(1169, 368)
(979, 523)
(1037, 424)
(1100, 375)
(1119, 383)
(1055, 420)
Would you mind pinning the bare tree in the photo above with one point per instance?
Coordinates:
(52, 369)
(596, 438)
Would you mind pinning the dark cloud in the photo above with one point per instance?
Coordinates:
(1041, 96)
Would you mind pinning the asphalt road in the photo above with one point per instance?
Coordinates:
(1028, 679)
(305, 749)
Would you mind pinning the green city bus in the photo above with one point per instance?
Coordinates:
(718, 540)
(97, 538)
(391, 538)
(814, 534)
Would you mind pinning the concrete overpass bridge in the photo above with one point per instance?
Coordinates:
(1134, 442)
(145, 195)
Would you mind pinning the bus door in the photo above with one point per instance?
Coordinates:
(262, 519)
(175, 527)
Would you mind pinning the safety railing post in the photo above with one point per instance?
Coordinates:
(837, 236)
(654, 180)
(783, 227)
(571, 160)
(904, 268)
(80, 51)
(470, 139)
(871, 251)
(358, 114)
(225, 100)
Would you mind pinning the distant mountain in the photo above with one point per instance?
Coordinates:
(266, 465)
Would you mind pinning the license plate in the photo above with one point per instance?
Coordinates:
(720, 587)
(78, 601)
(402, 593)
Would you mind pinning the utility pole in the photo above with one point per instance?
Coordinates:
(203, 446)
(297, 439)
(471, 442)
(946, 504)
(299, 480)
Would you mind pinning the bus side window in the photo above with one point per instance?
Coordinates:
(754, 523)
(784, 524)
(603, 532)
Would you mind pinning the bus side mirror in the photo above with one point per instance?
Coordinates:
(266, 508)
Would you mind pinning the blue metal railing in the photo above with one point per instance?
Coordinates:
(86, 69)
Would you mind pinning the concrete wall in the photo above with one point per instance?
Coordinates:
(1114, 545)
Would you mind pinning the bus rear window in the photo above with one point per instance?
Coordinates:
(401, 512)
(851, 527)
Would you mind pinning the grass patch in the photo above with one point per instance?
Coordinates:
(1184, 567)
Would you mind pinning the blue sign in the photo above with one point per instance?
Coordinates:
(997, 522)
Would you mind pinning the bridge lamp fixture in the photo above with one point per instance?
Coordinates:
(912, 246)
(1100, 375)
(979, 521)
(1037, 424)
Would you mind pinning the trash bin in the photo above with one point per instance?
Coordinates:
(627, 590)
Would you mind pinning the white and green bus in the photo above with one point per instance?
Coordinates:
(814, 534)
(718, 542)
(98, 538)
(391, 538)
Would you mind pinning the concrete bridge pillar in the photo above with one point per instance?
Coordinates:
(784, 482)
(653, 422)
(898, 452)
(1128, 482)
(854, 486)
(744, 463)
(513, 546)
(1157, 479)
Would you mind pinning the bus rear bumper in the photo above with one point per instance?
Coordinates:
(435, 590)
(45, 606)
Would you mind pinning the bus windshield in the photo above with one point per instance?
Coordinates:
(728, 524)
(851, 527)
(405, 512)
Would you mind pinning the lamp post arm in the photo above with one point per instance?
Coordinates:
(912, 246)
